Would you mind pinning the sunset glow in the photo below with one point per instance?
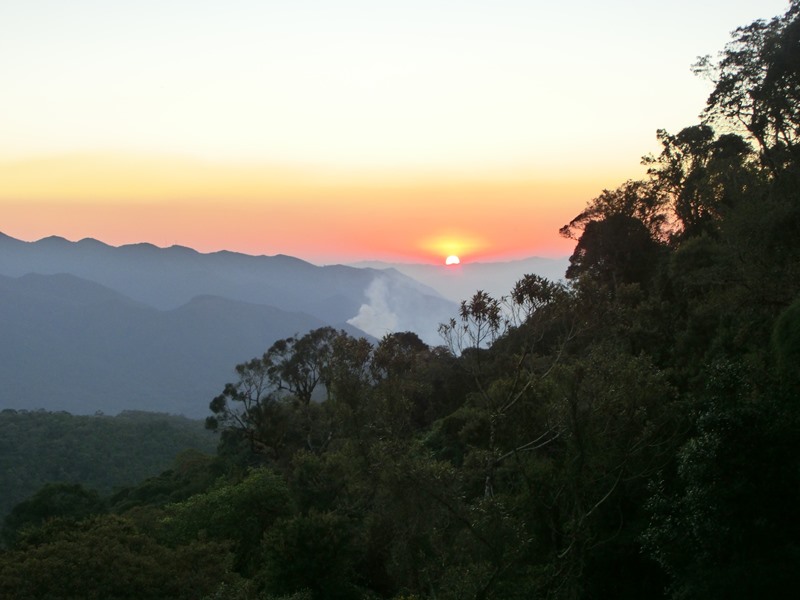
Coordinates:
(407, 132)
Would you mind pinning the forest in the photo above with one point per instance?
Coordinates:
(630, 432)
(100, 451)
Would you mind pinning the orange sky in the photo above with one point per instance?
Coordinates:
(340, 131)
(322, 216)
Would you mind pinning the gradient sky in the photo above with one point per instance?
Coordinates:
(339, 131)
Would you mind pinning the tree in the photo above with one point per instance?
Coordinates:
(786, 348)
(278, 388)
(504, 382)
(403, 370)
(757, 87)
(53, 501)
(724, 525)
(615, 250)
(612, 411)
(638, 200)
(314, 552)
(239, 512)
(700, 175)
(108, 558)
(296, 366)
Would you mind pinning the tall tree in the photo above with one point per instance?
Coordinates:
(277, 388)
(757, 86)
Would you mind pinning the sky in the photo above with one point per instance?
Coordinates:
(340, 131)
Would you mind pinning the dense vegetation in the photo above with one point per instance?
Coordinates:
(634, 433)
(100, 452)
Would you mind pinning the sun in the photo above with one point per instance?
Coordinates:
(452, 260)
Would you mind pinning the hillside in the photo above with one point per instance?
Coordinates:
(70, 344)
(99, 452)
(87, 326)
(166, 278)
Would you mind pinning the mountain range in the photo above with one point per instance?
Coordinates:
(88, 327)
(460, 282)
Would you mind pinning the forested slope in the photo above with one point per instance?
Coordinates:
(100, 452)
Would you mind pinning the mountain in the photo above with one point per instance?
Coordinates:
(166, 278)
(375, 301)
(71, 344)
(460, 282)
(86, 326)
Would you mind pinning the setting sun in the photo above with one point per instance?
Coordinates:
(453, 245)
(175, 141)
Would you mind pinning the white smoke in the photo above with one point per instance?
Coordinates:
(376, 317)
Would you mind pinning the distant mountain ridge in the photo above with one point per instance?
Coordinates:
(460, 282)
(169, 277)
(87, 326)
(71, 344)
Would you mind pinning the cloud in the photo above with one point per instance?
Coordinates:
(376, 317)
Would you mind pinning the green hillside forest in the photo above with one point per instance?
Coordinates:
(632, 433)
(101, 452)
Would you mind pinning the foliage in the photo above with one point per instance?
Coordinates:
(99, 452)
(757, 86)
(315, 551)
(786, 347)
(104, 558)
(53, 501)
(238, 512)
(724, 524)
